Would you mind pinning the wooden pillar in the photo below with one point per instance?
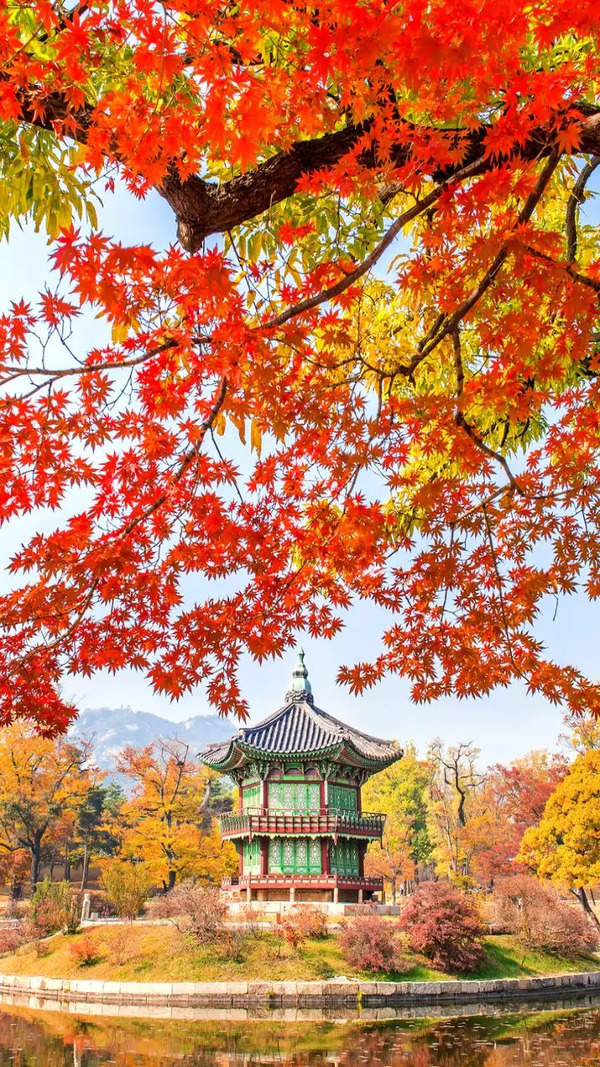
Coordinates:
(292, 894)
(359, 799)
(360, 896)
(325, 856)
(264, 856)
(362, 848)
(265, 794)
(240, 851)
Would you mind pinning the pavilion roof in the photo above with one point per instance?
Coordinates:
(301, 729)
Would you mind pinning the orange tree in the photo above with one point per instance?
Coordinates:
(43, 782)
(161, 824)
(379, 280)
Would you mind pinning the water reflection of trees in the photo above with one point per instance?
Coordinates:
(536, 1040)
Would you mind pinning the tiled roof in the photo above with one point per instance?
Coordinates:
(299, 727)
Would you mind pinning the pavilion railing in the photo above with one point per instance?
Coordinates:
(322, 881)
(271, 821)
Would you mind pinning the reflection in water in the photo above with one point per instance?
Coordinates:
(538, 1039)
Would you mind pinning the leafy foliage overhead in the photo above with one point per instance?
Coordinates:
(383, 283)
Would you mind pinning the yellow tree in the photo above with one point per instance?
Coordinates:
(399, 792)
(162, 822)
(42, 782)
(565, 845)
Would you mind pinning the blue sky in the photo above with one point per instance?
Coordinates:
(505, 725)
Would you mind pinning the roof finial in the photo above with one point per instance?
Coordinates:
(300, 688)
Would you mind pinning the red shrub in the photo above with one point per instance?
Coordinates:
(11, 938)
(84, 952)
(537, 915)
(444, 924)
(371, 944)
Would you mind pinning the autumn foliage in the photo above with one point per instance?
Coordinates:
(540, 918)
(371, 944)
(445, 925)
(365, 369)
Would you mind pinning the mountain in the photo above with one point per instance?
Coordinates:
(112, 729)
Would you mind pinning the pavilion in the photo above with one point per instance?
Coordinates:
(299, 829)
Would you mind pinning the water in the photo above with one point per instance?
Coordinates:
(568, 1037)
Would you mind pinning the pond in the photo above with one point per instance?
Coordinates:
(564, 1037)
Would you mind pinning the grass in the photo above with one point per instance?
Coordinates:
(160, 953)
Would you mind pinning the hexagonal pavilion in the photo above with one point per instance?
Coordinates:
(300, 830)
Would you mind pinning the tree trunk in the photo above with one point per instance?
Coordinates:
(85, 867)
(172, 877)
(34, 875)
(585, 904)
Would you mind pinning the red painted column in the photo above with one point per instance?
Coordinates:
(265, 794)
(358, 799)
(325, 856)
(264, 856)
(361, 858)
(240, 848)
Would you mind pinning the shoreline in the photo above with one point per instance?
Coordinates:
(236, 1000)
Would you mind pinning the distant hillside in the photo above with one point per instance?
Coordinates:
(112, 729)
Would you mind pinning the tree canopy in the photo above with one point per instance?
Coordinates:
(365, 370)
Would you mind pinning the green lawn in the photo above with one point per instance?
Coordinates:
(160, 953)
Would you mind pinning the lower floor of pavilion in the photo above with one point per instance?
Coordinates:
(305, 869)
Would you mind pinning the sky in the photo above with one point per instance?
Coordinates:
(505, 725)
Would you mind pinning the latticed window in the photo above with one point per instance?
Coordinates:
(251, 856)
(314, 856)
(344, 858)
(342, 798)
(252, 795)
(292, 855)
(294, 796)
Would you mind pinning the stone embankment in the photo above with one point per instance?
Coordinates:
(78, 994)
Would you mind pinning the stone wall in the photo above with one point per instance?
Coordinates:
(335, 993)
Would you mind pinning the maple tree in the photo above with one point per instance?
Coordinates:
(565, 845)
(382, 280)
(515, 799)
(43, 781)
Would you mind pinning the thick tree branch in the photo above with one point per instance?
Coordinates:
(203, 208)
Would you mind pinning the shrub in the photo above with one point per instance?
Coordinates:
(444, 924)
(233, 944)
(196, 910)
(11, 938)
(536, 914)
(368, 943)
(301, 924)
(127, 887)
(312, 922)
(54, 907)
(84, 952)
